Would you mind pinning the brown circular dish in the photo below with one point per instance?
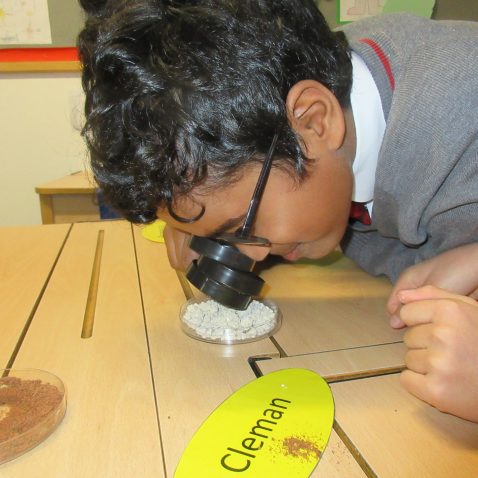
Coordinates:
(32, 404)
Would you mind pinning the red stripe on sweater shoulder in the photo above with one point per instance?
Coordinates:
(383, 58)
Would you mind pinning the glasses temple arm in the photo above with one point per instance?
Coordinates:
(245, 229)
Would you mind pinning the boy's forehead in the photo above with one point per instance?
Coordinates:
(221, 205)
(206, 217)
(185, 206)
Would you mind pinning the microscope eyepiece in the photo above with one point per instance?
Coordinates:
(223, 273)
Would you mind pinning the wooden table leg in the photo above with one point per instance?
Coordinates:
(46, 208)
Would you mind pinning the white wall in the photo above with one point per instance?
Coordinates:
(40, 118)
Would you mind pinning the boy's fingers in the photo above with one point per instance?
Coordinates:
(427, 292)
(396, 322)
(393, 303)
(416, 384)
(428, 303)
(421, 312)
(402, 296)
(409, 279)
(416, 360)
(418, 337)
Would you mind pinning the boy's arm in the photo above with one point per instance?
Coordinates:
(455, 270)
(410, 230)
(442, 357)
(376, 254)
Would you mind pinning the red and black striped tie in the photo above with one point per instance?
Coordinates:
(359, 212)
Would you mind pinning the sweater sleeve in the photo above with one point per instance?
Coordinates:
(379, 255)
(426, 182)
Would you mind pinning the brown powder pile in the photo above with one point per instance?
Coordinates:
(301, 447)
(26, 405)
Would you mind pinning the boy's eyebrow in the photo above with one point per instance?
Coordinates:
(228, 224)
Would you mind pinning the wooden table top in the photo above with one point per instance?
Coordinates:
(138, 387)
(80, 182)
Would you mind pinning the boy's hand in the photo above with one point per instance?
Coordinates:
(455, 270)
(177, 244)
(442, 359)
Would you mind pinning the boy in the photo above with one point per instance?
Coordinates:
(184, 98)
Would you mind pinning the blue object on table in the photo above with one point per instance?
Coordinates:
(106, 212)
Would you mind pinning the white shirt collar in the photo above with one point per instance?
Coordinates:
(369, 129)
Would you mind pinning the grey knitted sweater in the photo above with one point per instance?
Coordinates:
(426, 184)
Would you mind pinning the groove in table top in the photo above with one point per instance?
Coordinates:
(27, 258)
(110, 428)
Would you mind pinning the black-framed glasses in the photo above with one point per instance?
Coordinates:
(243, 234)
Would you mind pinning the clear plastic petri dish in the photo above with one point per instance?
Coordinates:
(206, 320)
(32, 405)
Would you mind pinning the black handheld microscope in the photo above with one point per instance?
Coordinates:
(222, 271)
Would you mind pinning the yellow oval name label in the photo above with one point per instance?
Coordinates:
(275, 426)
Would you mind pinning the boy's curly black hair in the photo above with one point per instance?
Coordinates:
(183, 91)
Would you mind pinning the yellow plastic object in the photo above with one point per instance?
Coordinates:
(276, 426)
(154, 231)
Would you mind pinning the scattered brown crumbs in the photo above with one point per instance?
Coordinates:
(301, 447)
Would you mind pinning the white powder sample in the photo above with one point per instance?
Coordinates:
(214, 321)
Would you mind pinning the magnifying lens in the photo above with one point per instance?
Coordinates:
(222, 271)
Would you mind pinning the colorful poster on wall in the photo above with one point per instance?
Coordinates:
(24, 22)
(352, 10)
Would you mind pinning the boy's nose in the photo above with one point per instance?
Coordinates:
(258, 253)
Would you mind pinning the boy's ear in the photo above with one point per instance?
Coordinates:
(316, 116)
